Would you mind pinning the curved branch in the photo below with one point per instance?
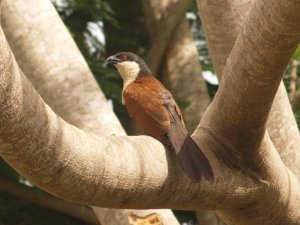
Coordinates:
(284, 132)
(47, 54)
(81, 212)
(81, 167)
(221, 21)
(222, 24)
(257, 66)
(61, 76)
(160, 40)
(87, 169)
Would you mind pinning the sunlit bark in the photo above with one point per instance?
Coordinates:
(251, 186)
(62, 78)
(222, 22)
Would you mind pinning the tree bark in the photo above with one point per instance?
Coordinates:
(222, 24)
(68, 86)
(62, 77)
(283, 119)
(181, 70)
(163, 31)
(42, 199)
(209, 218)
(82, 167)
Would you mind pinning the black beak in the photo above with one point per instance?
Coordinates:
(111, 60)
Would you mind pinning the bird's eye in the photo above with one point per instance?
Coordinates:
(123, 57)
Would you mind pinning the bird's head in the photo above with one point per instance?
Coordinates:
(129, 65)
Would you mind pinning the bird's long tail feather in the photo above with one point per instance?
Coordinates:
(193, 161)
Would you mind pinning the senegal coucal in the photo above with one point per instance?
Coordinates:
(154, 109)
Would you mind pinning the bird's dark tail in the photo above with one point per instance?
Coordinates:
(193, 161)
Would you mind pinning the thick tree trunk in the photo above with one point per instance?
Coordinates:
(222, 24)
(162, 34)
(252, 185)
(62, 78)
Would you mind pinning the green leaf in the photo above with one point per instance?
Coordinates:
(183, 104)
(297, 54)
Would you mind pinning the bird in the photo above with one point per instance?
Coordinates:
(153, 107)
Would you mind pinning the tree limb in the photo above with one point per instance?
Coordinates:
(46, 52)
(84, 168)
(221, 21)
(42, 199)
(160, 40)
(208, 218)
(68, 86)
(222, 24)
(294, 93)
(237, 72)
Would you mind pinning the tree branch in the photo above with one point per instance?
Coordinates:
(68, 86)
(293, 84)
(216, 33)
(228, 27)
(284, 132)
(208, 218)
(42, 199)
(181, 69)
(221, 21)
(83, 168)
(62, 77)
(167, 24)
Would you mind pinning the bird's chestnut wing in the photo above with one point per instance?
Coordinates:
(148, 102)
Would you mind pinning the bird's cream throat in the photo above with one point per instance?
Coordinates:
(129, 71)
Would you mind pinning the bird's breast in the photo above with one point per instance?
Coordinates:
(144, 101)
